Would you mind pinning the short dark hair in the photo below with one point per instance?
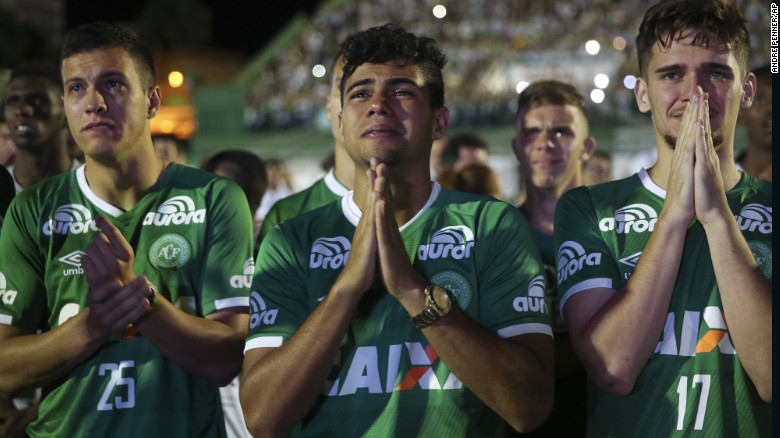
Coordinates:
(712, 20)
(252, 176)
(550, 92)
(389, 43)
(100, 35)
(45, 71)
(451, 152)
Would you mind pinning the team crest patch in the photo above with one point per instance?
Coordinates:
(763, 255)
(457, 285)
(170, 251)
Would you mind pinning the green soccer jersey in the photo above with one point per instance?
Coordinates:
(694, 383)
(391, 381)
(192, 238)
(324, 191)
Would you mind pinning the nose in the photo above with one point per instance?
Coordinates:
(694, 84)
(95, 102)
(379, 105)
(545, 140)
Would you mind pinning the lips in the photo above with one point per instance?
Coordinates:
(97, 125)
(380, 130)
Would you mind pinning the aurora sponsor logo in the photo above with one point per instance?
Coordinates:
(245, 279)
(6, 296)
(534, 302)
(259, 312)
(572, 258)
(179, 210)
(636, 218)
(455, 242)
(329, 253)
(73, 259)
(70, 219)
(755, 217)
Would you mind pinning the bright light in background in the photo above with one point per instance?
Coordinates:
(619, 43)
(521, 86)
(597, 96)
(175, 79)
(166, 126)
(629, 82)
(439, 11)
(592, 47)
(318, 71)
(601, 80)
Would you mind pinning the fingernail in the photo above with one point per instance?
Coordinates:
(695, 98)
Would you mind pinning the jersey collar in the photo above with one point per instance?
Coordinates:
(353, 214)
(109, 209)
(334, 185)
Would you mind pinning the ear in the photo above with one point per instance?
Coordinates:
(640, 93)
(155, 100)
(588, 147)
(748, 91)
(441, 120)
(327, 109)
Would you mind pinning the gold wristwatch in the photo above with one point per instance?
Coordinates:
(437, 304)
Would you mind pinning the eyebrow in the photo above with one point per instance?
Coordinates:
(391, 81)
(677, 67)
(103, 75)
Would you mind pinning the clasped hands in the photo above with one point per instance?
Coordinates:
(695, 187)
(117, 296)
(377, 247)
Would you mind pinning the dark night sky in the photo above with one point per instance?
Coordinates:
(239, 25)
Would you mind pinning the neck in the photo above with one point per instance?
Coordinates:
(123, 184)
(539, 206)
(409, 191)
(34, 166)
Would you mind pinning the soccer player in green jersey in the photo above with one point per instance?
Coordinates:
(359, 327)
(552, 143)
(134, 270)
(666, 276)
(334, 185)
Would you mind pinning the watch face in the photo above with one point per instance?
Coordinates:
(442, 299)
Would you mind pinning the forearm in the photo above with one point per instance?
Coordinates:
(617, 341)
(207, 347)
(34, 360)
(747, 301)
(512, 379)
(279, 387)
